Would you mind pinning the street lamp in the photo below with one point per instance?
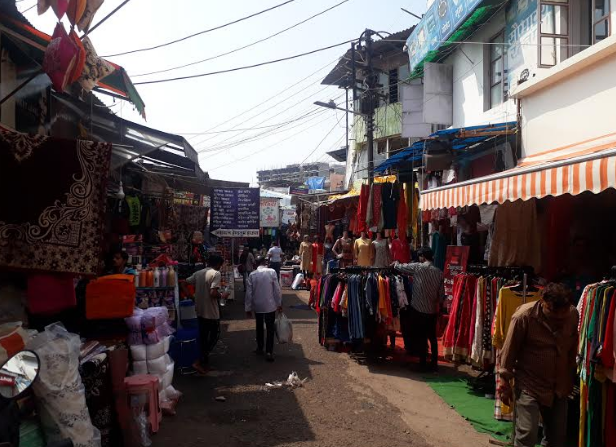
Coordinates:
(332, 105)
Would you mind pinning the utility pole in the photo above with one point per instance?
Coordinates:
(371, 82)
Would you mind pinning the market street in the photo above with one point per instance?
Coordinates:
(338, 405)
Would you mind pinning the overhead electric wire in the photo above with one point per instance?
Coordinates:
(242, 47)
(201, 32)
(269, 146)
(321, 142)
(245, 67)
(232, 144)
(235, 130)
(267, 100)
(274, 116)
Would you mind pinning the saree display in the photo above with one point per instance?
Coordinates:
(52, 196)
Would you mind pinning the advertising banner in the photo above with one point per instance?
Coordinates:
(456, 260)
(270, 212)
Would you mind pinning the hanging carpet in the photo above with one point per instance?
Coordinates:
(52, 202)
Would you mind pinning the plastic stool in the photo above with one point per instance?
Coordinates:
(146, 384)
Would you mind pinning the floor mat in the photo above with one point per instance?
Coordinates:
(476, 409)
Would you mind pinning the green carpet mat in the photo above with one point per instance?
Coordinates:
(476, 409)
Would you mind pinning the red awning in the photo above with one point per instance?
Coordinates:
(573, 169)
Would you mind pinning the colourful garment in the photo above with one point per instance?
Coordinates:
(508, 302)
(363, 252)
(362, 209)
(456, 339)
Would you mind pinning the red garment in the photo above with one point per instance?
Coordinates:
(362, 209)
(337, 297)
(388, 297)
(317, 249)
(400, 251)
(49, 294)
(607, 353)
(402, 219)
(456, 340)
(377, 200)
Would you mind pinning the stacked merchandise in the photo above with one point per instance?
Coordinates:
(149, 339)
(596, 360)
(355, 306)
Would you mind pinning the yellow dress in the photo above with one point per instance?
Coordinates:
(305, 254)
(363, 252)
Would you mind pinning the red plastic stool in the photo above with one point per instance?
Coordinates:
(146, 384)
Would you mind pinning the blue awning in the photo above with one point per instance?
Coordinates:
(459, 138)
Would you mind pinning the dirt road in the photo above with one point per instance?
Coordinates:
(341, 404)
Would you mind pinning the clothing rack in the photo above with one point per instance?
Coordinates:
(510, 271)
(358, 269)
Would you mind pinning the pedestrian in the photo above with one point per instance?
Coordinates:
(428, 294)
(305, 254)
(539, 354)
(264, 298)
(247, 265)
(207, 283)
(275, 258)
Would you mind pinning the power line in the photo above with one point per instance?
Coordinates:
(201, 32)
(229, 70)
(232, 144)
(242, 47)
(321, 142)
(236, 130)
(270, 146)
(277, 114)
(266, 101)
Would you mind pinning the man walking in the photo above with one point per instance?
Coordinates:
(428, 293)
(207, 282)
(264, 298)
(275, 258)
(539, 353)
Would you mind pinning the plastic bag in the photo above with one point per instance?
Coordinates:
(284, 330)
(298, 281)
(61, 396)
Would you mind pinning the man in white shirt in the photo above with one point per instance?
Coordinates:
(207, 283)
(264, 298)
(275, 258)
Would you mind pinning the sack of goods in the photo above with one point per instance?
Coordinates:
(298, 281)
(284, 329)
(149, 326)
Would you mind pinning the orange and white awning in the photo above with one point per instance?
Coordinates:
(586, 166)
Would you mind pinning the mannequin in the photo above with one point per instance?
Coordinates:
(343, 250)
(317, 256)
(329, 231)
(362, 251)
(305, 254)
(381, 257)
(400, 250)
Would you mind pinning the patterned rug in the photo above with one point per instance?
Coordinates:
(52, 202)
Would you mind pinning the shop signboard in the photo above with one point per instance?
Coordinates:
(456, 261)
(270, 212)
(288, 217)
(521, 37)
(235, 212)
(436, 26)
(299, 190)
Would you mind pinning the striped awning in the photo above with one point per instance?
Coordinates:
(573, 169)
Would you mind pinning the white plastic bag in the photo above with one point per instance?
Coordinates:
(298, 281)
(284, 330)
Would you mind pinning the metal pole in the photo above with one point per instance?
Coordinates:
(371, 82)
(347, 123)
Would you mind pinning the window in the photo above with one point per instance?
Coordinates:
(381, 146)
(553, 32)
(497, 60)
(393, 86)
(601, 20)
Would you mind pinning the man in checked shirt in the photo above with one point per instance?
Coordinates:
(539, 353)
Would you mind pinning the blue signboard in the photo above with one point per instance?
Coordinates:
(436, 26)
(235, 212)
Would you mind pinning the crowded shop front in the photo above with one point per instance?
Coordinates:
(540, 223)
(89, 293)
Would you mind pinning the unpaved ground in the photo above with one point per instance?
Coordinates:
(341, 404)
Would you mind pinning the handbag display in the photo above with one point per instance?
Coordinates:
(110, 296)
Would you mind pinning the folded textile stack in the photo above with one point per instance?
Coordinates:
(149, 326)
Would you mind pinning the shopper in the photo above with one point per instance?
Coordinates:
(264, 298)
(539, 353)
(247, 264)
(275, 258)
(428, 293)
(207, 283)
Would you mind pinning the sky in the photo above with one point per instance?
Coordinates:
(225, 116)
